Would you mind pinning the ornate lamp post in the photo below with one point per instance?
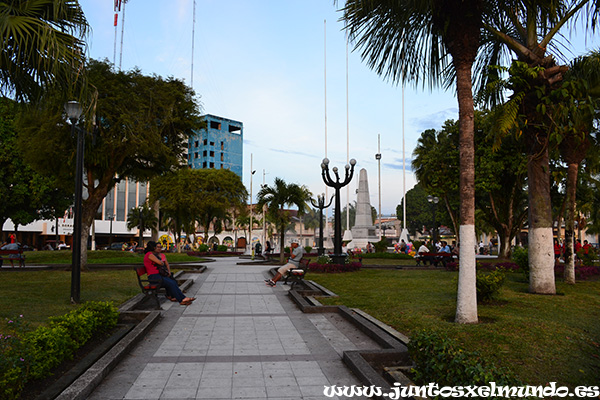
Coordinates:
(320, 204)
(434, 200)
(338, 257)
(73, 110)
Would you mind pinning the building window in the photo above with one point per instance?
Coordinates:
(221, 166)
(222, 157)
(204, 164)
(235, 129)
(204, 153)
(196, 155)
(196, 143)
(212, 164)
(212, 144)
(215, 125)
(212, 153)
(205, 142)
(222, 145)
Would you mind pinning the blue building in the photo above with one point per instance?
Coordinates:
(219, 146)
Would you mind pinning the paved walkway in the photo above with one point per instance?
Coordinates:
(239, 340)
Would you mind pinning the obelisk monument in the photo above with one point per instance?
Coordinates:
(363, 230)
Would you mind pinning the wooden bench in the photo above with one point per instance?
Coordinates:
(295, 275)
(434, 258)
(149, 288)
(20, 259)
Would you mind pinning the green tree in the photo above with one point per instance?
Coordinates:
(142, 217)
(204, 195)
(27, 195)
(276, 198)
(527, 30)
(501, 170)
(574, 107)
(412, 40)
(42, 46)
(419, 212)
(140, 127)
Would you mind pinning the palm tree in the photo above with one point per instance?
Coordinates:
(575, 111)
(142, 217)
(280, 195)
(42, 46)
(526, 29)
(413, 40)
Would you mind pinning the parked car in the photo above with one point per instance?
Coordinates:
(115, 246)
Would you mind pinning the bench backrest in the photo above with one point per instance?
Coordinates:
(140, 270)
(20, 251)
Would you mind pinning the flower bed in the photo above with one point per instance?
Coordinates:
(334, 268)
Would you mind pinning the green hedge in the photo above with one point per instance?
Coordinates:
(27, 355)
(439, 359)
(391, 256)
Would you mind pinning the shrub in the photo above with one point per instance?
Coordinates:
(324, 259)
(520, 256)
(388, 256)
(26, 355)
(308, 249)
(203, 248)
(381, 246)
(439, 359)
(13, 362)
(582, 272)
(451, 266)
(222, 247)
(587, 259)
(489, 284)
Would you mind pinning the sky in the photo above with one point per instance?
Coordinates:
(279, 67)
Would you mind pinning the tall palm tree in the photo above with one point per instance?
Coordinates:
(423, 39)
(527, 29)
(276, 198)
(575, 111)
(42, 45)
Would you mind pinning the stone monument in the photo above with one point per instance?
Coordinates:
(363, 230)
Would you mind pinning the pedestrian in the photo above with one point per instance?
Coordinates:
(293, 262)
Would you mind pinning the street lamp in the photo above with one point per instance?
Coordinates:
(433, 200)
(73, 110)
(110, 217)
(320, 204)
(338, 257)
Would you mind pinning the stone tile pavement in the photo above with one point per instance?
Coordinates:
(240, 339)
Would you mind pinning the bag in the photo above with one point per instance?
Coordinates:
(162, 270)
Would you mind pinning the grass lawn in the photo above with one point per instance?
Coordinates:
(98, 257)
(38, 295)
(541, 338)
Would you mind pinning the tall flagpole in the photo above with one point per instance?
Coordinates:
(193, 36)
(403, 168)
(325, 86)
(347, 140)
(122, 32)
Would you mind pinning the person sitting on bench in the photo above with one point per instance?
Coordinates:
(152, 260)
(293, 262)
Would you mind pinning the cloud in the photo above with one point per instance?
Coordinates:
(434, 120)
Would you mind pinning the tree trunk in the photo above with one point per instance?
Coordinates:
(281, 246)
(541, 249)
(569, 273)
(466, 304)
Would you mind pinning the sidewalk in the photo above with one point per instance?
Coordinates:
(240, 339)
